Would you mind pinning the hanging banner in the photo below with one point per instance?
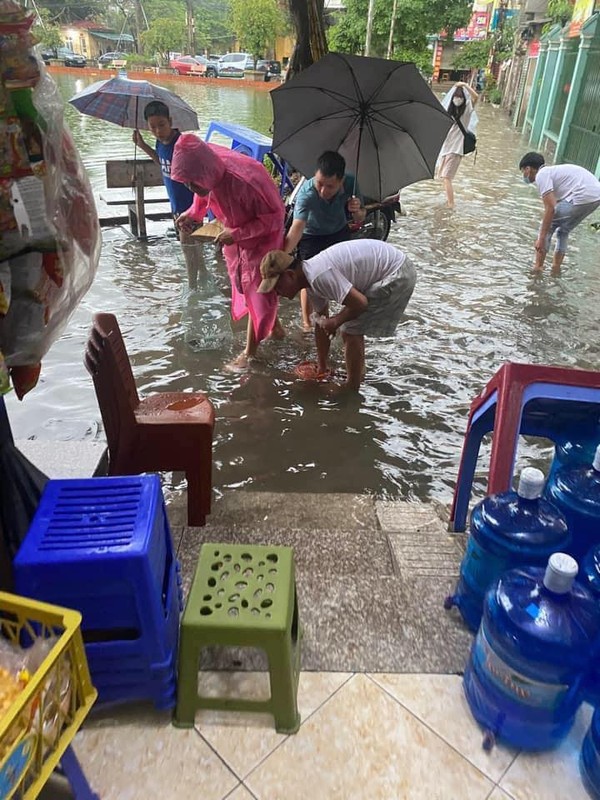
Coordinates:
(582, 10)
(477, 28)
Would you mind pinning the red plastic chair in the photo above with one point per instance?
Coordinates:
(166, 431)
(516, 401)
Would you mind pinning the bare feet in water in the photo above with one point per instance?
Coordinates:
(239, 363)
(278, 331)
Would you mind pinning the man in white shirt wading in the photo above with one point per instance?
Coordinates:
(570, 194)
(371, 280)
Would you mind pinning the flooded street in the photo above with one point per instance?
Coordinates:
(475, 306)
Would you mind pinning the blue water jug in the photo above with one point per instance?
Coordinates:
(507, 530)
(532, 655)
(589, 760)
(590, 578)
(576, 451)
(576, 492)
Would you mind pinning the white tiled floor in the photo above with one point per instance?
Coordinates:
(388, 737)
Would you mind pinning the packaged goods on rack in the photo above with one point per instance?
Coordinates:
(49, 230)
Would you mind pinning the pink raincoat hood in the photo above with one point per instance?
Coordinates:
(194, 161)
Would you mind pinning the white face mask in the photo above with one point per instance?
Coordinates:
(458, 101)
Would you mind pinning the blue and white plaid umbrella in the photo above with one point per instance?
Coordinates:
(123, 101)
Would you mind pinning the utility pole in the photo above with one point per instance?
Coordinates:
(392, 23)
(139, 24)
(369, 27)
(191, 28)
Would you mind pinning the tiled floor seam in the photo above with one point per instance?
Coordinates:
(435, 733)
(305, 719)
(504, 774)
(220, 757)
(235, 788)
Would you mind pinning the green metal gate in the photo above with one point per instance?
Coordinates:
(563, 87)
(583, 140)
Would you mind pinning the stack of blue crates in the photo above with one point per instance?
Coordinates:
(103, 546)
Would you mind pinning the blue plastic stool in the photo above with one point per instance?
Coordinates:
(71, 769)
(103, 546)
(550, 402)
(254, 144)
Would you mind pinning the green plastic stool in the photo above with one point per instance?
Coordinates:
(242, 596)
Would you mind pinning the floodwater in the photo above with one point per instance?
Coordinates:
(475, 306)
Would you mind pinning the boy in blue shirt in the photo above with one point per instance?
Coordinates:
(323, 207)
(181, 198)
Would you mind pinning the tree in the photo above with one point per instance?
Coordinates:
(560, 11)
(473, 55)
(164, 36)
(213, 17)
(62, 12)
(45, 31)
(311, 41)
(415, 20)
(256, 23)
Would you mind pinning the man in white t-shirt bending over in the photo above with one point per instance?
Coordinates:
(372, 280)
(570, 194)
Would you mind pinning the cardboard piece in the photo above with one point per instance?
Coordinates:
(209, 231)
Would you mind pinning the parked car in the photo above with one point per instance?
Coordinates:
(64, 54)
(211, 64)
(232, 65)
(107, 59)
(187, 65)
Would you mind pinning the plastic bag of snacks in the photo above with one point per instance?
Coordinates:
(17, 666)
(49, 230)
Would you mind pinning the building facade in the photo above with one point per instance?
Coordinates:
(562, 111)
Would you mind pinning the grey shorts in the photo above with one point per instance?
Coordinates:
(387, 301)
(566, 217)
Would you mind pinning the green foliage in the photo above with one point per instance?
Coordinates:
(473, 55)
(495, 96)
(560, 11)
(213, 19)
(504, 41)
(45, 31)
(66, 11)
(256, 24)
(415, 20)
(163, 36)
(136, 60)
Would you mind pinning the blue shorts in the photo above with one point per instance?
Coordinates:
(566, 217)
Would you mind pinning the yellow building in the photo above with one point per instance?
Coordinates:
(92, 40)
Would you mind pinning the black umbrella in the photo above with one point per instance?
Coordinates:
(380, 115)
(21, 486)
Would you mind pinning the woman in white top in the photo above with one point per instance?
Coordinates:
(459, 102)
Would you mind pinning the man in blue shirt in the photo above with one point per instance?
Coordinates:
(181, 198)
(324, 205)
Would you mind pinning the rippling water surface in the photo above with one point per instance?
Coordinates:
(474, 307)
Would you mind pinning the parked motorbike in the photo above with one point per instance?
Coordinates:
(376, 225)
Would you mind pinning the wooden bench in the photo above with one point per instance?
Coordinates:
(136, 174)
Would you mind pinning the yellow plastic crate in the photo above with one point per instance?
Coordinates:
(43, 719)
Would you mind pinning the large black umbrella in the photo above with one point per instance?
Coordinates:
(21, 486)
(380, 115)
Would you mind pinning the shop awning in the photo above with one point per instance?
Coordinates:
(113, 37)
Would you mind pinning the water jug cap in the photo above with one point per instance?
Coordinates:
(531, 483)
(560, 573)
(596, 464)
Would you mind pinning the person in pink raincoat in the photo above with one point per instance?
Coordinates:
(241, 194)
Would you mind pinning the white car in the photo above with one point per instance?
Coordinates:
(232, 65)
